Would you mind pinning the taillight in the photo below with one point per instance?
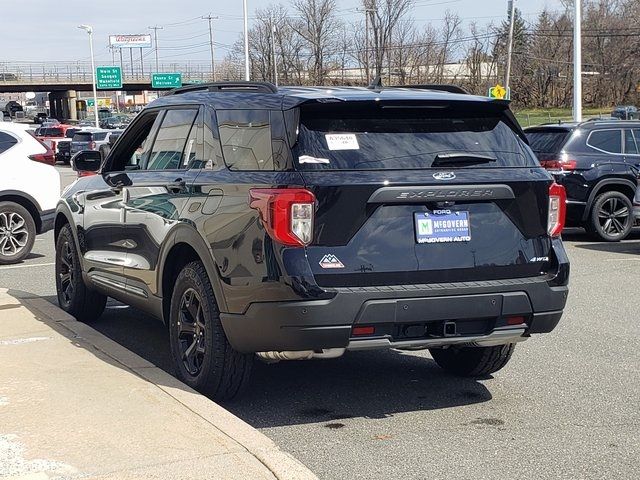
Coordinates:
(47, 157)
(564, 165)
(286, 213)
(92, 145)
(557, 210)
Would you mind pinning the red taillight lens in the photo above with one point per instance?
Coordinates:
(92, 145)
(82, 173)
(564, 165)
(557, 210)
(47, 157)
(286, 213)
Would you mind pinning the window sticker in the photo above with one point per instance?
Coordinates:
(342, 141)
(309, 159)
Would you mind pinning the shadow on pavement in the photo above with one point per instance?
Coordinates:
(364, 384)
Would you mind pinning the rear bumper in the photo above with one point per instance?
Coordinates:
(405, 316)
(47, 219)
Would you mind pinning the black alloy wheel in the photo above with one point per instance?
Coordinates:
(192, 332)
(611, 218)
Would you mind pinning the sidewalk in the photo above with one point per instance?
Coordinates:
(75, 404)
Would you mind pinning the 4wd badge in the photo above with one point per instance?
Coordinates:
(331, 261)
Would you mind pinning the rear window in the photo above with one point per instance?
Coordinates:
(98, 137)
(71, 132)
(547, 141)
(377, 138)
(82, 137)
(51, 132)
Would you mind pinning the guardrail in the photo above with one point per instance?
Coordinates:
(79, 72)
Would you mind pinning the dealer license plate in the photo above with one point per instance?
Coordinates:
(442, 226)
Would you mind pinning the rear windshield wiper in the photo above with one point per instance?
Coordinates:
(458, 159)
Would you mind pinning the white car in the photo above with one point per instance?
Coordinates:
(29, 191)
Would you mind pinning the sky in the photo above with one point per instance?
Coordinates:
(46, 31)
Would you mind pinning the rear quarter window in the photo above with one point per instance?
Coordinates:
(6, 141)
(245, 136)
(608, 141)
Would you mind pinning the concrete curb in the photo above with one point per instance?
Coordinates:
(282, 465)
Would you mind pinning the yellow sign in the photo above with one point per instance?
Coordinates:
(499, 92)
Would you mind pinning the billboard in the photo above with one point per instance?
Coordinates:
(130, 41)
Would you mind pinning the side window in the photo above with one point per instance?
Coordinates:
(171, 140)
(245, 136)
(609, 141)
(631, 142)
(6, 142)
(133, 151)
(212, 156)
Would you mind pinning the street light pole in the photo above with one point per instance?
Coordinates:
(577, 61)
(512, 20)
(89, 30)
(247, 75)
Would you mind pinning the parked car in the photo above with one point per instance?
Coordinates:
(63, 145)
(299, 223)
(597, 162)
(53, 135)
(29, 191)
(626, 112)
(116, 122)
(40, 117)
(92, 139)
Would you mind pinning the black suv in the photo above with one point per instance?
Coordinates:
(597, 163)
(298, 223)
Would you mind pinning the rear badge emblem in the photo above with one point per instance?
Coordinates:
(331, 261)
(444, 175)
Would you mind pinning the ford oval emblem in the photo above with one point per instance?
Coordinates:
(444, 175)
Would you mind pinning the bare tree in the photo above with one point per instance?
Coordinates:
(384, 16)
(319, 27)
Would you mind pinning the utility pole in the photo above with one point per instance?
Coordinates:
(367, 11)
(577, 61)
(213, 62)
(155, 42)
(273, 52)
(512, 20)
(247, 74)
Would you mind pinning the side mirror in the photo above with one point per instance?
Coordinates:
(86, 161)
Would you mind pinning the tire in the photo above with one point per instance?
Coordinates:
(473, 361)
(17, 232)
(74, 297)
(611, 218)
(202, 355)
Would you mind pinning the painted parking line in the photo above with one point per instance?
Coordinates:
(12, 267)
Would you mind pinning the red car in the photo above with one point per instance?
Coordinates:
(53, 135)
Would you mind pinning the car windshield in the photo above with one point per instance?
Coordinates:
(350, 139)
(547, 141)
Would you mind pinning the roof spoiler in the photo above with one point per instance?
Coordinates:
(376, 85)
(219, 87)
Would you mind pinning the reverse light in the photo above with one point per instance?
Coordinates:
(92, 145)
(286, 213)
(557, 210)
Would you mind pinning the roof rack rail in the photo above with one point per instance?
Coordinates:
(235, 86)
(435, 86)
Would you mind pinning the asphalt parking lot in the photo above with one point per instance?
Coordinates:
(565, 407)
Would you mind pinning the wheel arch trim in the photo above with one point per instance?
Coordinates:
(622, 182)
(185, 234)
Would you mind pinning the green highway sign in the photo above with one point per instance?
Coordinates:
(166, 80)
(108, 78)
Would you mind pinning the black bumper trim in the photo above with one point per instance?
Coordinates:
(322, 324)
